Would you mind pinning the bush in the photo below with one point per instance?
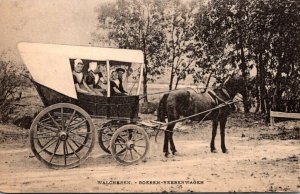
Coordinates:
(12, 82)
(148, 107)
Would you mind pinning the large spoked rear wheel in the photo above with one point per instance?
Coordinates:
(129, 144)
(62, 135)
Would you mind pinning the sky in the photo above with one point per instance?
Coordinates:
(47, 21)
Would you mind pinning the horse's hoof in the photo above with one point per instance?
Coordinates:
(214, 151)
(166, 154)
(225, 151)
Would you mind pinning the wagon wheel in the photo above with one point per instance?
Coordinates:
(46, 120)
(106, 132)
(62, 135)
(129, 144)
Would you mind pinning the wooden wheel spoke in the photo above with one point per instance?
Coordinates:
(75, 141)
(125, 155)
(78, 125)
(131, 155)
(53, 120)
(55, 149)
(120, 137)
(46, 120)
(73, 150)
(136, 151)
(62, 117)
(80, 134)
(47, 141)
(120, 144)
(46, 146)
(76, 122)
(41, 137)
(43, 133)
(48, 127)
(71, 119)
(142, 138)
(65, 152)
(139, 146)
(122, 150)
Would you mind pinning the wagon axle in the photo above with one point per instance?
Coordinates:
(63, 136)
(129, 144)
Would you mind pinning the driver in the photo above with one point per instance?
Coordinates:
(115, 85)
(120, 72)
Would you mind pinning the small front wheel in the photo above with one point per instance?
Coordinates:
(106, 132)
(129, 144)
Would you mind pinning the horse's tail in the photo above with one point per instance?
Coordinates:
(162, 108)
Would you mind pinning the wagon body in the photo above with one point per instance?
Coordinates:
(114, 107)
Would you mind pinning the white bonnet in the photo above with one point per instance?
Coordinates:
(92, 66)
(76, 62)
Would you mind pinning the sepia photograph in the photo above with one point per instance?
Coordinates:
(156, 96)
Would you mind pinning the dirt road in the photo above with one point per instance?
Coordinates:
(254, 163)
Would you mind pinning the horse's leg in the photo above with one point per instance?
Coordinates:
(166, 144)
(172, 115)
(172, 145)
(222, 129)
(213, 135)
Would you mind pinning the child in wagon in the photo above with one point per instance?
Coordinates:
(78, 78)
(94, 78)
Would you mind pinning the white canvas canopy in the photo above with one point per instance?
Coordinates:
(49, 64)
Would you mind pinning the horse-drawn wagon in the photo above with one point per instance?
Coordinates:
(63, 134)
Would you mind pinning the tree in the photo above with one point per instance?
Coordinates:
(139, 25)
(275, 48)
(215, 54)
(180, 40)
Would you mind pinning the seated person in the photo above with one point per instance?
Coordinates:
(115, 85)
(78, 78)
(94, 78)
(120, 72)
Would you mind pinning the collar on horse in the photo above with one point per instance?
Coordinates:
(218, 98)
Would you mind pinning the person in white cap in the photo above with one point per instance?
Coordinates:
(78, 78)
(94, 78)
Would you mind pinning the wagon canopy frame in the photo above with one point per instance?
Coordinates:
(48, 61)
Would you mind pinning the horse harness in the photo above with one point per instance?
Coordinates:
(218, 100)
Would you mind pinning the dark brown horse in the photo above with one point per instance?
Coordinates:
(187, 102)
